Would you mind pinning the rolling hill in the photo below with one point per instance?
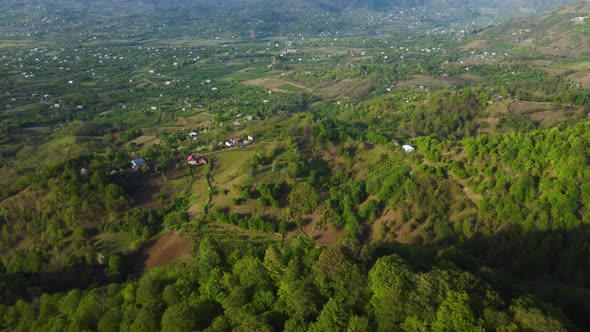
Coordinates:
(559, 33)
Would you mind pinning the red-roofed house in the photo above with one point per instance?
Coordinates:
(192, 160)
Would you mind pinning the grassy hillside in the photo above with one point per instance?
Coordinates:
(560, 33)
(313, 167)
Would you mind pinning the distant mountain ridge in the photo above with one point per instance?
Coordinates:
(522, 6)
(533, 6)
(266, 18)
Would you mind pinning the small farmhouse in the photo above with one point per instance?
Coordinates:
(137, 163)
(408, 148)
(192, 160)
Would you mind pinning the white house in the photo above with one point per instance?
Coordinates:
(193, 135)
(137, 163)
(408, 148)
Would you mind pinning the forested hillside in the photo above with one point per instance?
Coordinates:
(299, 166)
(296, 287)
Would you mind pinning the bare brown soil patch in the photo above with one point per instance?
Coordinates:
(273, 84)
(522, 107)
(343, 87)
(549, 118)
(164, 249)
(321, 235)
(541, 62)
(581, 77)
(476, 44)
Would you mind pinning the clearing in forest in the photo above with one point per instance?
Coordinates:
(544, 114)
(349, 87)
(199, 192)
(32, 131)
(200, 120)
(322, 235)
(477, 44)
(145, 141)
(167, 185)
(164, 249)
(115, 242)
(246, 74)
(275, 85)
(429, 81)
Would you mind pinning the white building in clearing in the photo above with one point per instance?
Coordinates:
(408, 148)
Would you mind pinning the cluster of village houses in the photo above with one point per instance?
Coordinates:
(201, 160)
(239, 141)
(191, 159)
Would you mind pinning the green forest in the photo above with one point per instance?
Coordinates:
(191, 166)
(295, 287)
